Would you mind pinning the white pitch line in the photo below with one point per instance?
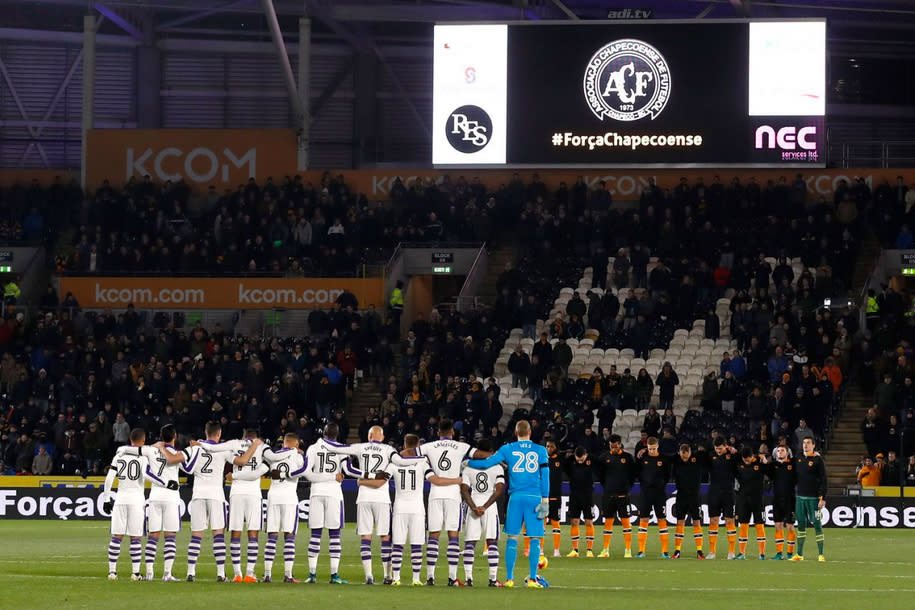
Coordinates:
(739, 589)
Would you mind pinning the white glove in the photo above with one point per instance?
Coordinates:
(543, 509)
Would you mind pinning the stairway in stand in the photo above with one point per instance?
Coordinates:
(497, 258)
(846, 446)
(864, 263)
(367, 394)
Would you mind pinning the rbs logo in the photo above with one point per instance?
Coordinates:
(786, 138)
(468, 129)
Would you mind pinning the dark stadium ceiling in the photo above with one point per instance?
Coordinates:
(409, 20)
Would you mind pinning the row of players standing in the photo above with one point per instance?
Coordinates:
(324, 465)
(799, 486)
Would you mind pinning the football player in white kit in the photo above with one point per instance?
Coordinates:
(373, 504)
(207, 463)
(480, 490)
(246, 505)
(130, 468)
(408, 475)
(445, 457)
(286, 465)
(326, 464)
(164, 504)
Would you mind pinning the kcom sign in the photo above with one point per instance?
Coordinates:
(197, 165)
(223, 158)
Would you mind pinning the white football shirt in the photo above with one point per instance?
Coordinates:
(372, 457)
(292, 466)
(241, 487)
(324, 460)
(209, 472)
(130, 467)
(409, 476)
(445, 457)
(482, 483)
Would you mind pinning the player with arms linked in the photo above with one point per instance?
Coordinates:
(528, 498)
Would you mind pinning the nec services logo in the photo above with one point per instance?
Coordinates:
(627, 80)
(469, 129)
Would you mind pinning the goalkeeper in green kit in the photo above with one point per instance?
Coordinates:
(811, 494)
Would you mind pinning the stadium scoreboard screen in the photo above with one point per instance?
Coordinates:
(725, 93)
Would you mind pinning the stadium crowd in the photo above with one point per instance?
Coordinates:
(73, 380)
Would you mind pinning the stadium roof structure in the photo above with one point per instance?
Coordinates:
(401, 17)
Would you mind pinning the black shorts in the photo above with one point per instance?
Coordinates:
(555, 506)
(581, 506)
(720, 504)
(653, 499)
(687, 506)
(783, 509)
(750, 506)
(616, 506)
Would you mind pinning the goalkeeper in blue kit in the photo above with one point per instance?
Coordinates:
(528, 498)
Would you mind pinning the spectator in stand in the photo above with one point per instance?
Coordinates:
(42, 463)
(871, 431)
(528, 316)
(519, 364)
(666, 381)
(645, 390)
(727, 392)
(652, 422)
(885, 396)
(710, 392)
(869, 474)
(800, 433)
(562, 356)
(892, 471)
(910, 471)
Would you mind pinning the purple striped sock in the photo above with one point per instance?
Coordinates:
(289, 548)
(235, 552)
(416, 557)
(469, 552)
(289, 555)
(270, 548)
(386, 551)
(493, 556)
(397, 560)
(335, 550)
(365, 550)
(152, 548)
(431, 556)
(169, 551)
(136, 554)
(114, 550)
(253, 549)
(193, 551)
(219, 549)
(270, 553)
(454, 556)
(314, 543)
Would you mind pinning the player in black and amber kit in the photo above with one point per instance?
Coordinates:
(615, 469)
(688, 469)
(580, 470)
(722, 473)
(783, 482)
(751, 471)
(555, 494)
(653, 472)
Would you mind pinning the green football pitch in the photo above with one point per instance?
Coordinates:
(64, 565)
